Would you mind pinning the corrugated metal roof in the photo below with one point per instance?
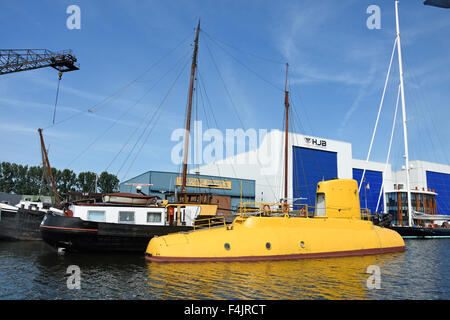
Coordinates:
(165, 182)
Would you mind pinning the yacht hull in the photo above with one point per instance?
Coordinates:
(421, 233)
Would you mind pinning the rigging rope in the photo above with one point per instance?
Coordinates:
(201, 86)
(160, 109)
(175, 66)
(226, 89)
(245, 66)
(115, 122)
(118, 93)
(249, 53)
(429, 113)
(57, 93)
(379, 111)
(389, 149)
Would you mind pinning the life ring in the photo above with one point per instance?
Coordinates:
(302, 212)
(266, 209)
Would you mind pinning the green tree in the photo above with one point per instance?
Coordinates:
(86, 181)
(34, 179)
(20, 178)
(6, 177)
(107, 182)
(66, 181)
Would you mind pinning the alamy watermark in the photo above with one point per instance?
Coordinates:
(374, 20)
(237, 146)
(74, 20)
(74, 279)
(374, 280)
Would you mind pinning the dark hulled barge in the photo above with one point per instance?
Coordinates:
(124, 222)
(22, 222)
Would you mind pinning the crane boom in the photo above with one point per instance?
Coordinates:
(15, 60)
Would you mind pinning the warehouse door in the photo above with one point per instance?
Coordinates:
(310, 166)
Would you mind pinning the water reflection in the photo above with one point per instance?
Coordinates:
(33, 270)
(333, 278)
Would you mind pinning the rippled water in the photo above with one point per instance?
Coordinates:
(33, 270)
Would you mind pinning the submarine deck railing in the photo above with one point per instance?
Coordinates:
(366, 214)
(276, 208)
(210, 222)
(302, 210)
(267, 209)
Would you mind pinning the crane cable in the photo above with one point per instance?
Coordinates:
(57, 94)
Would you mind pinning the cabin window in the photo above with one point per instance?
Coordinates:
(126, 216)
(98, 216)
(320, 205)
(153, 216)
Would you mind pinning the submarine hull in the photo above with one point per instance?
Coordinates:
(276, 238)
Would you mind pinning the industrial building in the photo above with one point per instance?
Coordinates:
(227, 192)
(312, 159)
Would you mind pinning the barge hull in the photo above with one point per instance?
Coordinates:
(20, 225)
(76, 235)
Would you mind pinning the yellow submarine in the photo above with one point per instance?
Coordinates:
(337, 228)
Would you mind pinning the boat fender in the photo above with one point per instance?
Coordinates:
(171, 213)
(68, 213)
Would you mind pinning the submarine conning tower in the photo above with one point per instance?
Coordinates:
(338, 198)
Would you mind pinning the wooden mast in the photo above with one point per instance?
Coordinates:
(189, 108)
(286, 149)
(47, 163)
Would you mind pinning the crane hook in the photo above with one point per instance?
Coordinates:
(57, 93)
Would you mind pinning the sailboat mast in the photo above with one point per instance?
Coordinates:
(286, 149)
(47, 163)
(189, 109)
(405, 133)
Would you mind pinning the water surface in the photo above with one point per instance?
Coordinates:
(33, 270)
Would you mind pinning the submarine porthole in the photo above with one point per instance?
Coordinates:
(302, 244)
(227, 246)
(268, 245)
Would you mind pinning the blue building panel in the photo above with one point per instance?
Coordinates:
(310, 166)
(440, 183)
(370, 189)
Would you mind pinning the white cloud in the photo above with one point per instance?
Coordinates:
(362, 93)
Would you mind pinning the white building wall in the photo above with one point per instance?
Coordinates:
(418, 174)
(265, 164)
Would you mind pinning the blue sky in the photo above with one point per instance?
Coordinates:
(336, 76)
